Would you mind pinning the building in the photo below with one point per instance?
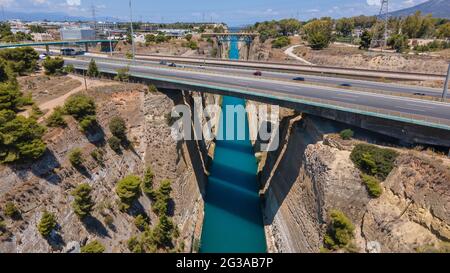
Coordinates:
(77, 34)
(175, 33)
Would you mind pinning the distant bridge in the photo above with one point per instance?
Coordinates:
(105, 43)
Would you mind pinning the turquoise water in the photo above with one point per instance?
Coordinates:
(233, 220)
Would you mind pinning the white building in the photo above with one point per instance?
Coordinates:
(77, 34)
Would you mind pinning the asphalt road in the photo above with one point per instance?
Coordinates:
(406, 107)
(336, 81)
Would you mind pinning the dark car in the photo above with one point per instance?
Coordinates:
(163, 63)
(257, 73)
(419, 94)
(172, 65)
(300, 79)
(346, 85)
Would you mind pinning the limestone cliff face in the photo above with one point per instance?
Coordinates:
(47, 183)
(312, 173)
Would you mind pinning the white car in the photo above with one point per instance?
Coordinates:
(43, 56)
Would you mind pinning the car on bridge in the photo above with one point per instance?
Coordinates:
(172, 65)
(257, 73)
(300, 79)
(345, 84)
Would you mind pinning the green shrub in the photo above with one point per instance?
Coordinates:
(21, 60)
(93, 247)
(47, 223)
(53, 65)
(114, 143)
(69, 68)
(281, 42)
(97, 155)
(374, 161)
(340, 231)
(373, 185)
(346, 134)
(122, 74)
(128, 189)
(141, 222)
(36, 112)
(76, 157)
(319, 33)
(11, 211)
(163, 231)
(80, 106)
(134, 245)
(83, 204)
(88, 123)
(92, 70)
(152, 88)
(147, 182)
(20, 138)
(162, 197)
(56, 119)
(118, 128)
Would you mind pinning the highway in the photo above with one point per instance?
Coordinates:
(332, 81)
(417, 109)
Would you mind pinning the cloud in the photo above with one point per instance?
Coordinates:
(373, 2)
(6, 3)
(73, 2)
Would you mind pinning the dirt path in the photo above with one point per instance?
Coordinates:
(290, 53)
(48, 106)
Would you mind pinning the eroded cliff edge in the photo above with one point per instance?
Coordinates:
(311, 173)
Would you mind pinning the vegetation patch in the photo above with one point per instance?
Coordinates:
(340, 231)
(47, 223)
(83, 109)
(56, 119)
(373, 160)
(373, 185)
(82, 204)
(93, 247)
(128, 189)
(346, 134)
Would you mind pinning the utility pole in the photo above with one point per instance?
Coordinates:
(132, 33)
(444, 93)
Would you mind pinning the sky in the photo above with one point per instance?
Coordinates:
(232, 12)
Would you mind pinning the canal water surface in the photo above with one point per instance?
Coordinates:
(233, 219)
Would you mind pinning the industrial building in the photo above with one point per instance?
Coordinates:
(77, 34)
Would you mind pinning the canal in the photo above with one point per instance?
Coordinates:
(233, 218)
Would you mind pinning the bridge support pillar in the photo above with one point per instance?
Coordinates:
(86, 47)
(47, 49)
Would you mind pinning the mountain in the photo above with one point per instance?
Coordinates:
(438, 8)
(50, 16)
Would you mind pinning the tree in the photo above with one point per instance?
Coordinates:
(345, 26)
(69, 68)
(147, 182)
(82, 108)
(76, 157)
(79, 106)
(114, 143)
(188, 37)
(141, 222)
(150, 38)
(122, 74)
(20, 138)
(56, 119)
(118, 127)
(162, 197)
(346, 134)
(128, 190)
(289, 26)
(82, 204)
(93, 70)
(417, 26)
(93, 247)
(21, 60)
(162, 234)
(47, 223)
(373, 160)
(37, 29)
(11, 211)
(340, 230)
(53, 65)
(281, 42)
(318, 33)
(399, 42)
(444, 31)
(366, 40)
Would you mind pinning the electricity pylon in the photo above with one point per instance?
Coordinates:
(382, 22)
